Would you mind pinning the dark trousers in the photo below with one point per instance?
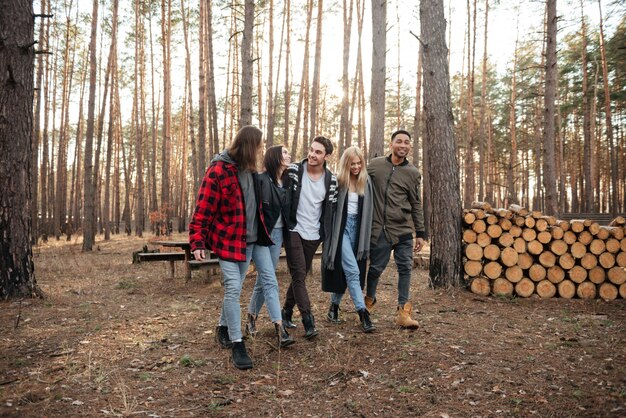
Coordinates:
(300, 253)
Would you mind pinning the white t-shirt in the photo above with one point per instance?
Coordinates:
(353, 203)
(310, 206)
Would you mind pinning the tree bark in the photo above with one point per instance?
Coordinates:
(549, 173)
(483, 105)
(89, 187)
(512, 166)
(139, 29)
(379, 76)
(17, 273)
(247, 65)
(445, 265)
(613, 206)
(317, 63)
(166, 26)
(345, 122)
(287, 89)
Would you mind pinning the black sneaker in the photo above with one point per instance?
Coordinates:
(222, 338)
(241, 359)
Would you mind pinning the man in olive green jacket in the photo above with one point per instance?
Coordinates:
(398, 214)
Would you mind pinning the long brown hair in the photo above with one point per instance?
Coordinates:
(245, 147)
(273, 160)
(343, 173)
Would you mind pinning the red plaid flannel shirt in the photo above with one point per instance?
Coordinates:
(219, 221)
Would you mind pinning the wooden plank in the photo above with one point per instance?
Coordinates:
(174, 256)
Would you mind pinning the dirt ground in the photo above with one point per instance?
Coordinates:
(117, 339)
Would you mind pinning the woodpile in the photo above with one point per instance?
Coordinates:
(519, 252)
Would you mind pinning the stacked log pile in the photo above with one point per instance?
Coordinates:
(519, 252)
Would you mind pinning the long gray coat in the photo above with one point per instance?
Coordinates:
(333, 278)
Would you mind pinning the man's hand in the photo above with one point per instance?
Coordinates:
(198, 255)
(419, 244)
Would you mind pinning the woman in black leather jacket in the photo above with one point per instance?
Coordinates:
(274, 202)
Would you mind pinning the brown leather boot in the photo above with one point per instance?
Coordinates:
(369, 303)
(404, 317)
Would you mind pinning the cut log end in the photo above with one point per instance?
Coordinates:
(480, 286)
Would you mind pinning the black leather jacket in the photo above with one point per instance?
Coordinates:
(274, 200)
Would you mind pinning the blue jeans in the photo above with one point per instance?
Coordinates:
(266, 285)
(379, 258)
(349, 265)
(233, 275)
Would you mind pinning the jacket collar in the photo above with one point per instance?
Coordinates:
(405, 162)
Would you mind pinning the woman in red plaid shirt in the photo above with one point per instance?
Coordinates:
(228, 220)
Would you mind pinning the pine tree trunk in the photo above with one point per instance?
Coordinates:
(315, 88)
(167, 113)
(43, 179)
(304, 85)
(211, 98)
(512, 166)
(36, 138)
(59, 218)
(76, 201)
(445, 265)
(201, 151)
(138, 91)
(588, 145)
(417, 118)
(345, 122)
(106, 212)
(247, 65)
(483, 105)
(613, 204)
(549, 173)
(17, 274)
(154, 203)
(287, 89)
(379, 75)
(89, 187)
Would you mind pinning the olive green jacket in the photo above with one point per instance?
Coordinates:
(398, 211)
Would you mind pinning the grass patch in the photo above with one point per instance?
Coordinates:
(188, 361)
(126, 284)
(145, 376)
(406, 389)
(223, 380)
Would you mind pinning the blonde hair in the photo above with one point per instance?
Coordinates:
(343, 172)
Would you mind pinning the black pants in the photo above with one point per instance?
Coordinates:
(300, 253)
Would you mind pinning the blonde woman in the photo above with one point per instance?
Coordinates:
(345, 258)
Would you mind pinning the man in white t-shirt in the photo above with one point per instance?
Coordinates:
(312, 193)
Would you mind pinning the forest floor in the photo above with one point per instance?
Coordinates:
(116, 339)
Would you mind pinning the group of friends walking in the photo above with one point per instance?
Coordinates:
(360, 214)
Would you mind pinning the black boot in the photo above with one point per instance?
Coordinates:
(241, 359)
(222, 338)
(366, 323)
(333, 313)
(309, 325)
(251, 325)
(287, 314)
(284, 339)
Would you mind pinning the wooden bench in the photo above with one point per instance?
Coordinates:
(600, 218)
(171, 257)
(211, 264)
